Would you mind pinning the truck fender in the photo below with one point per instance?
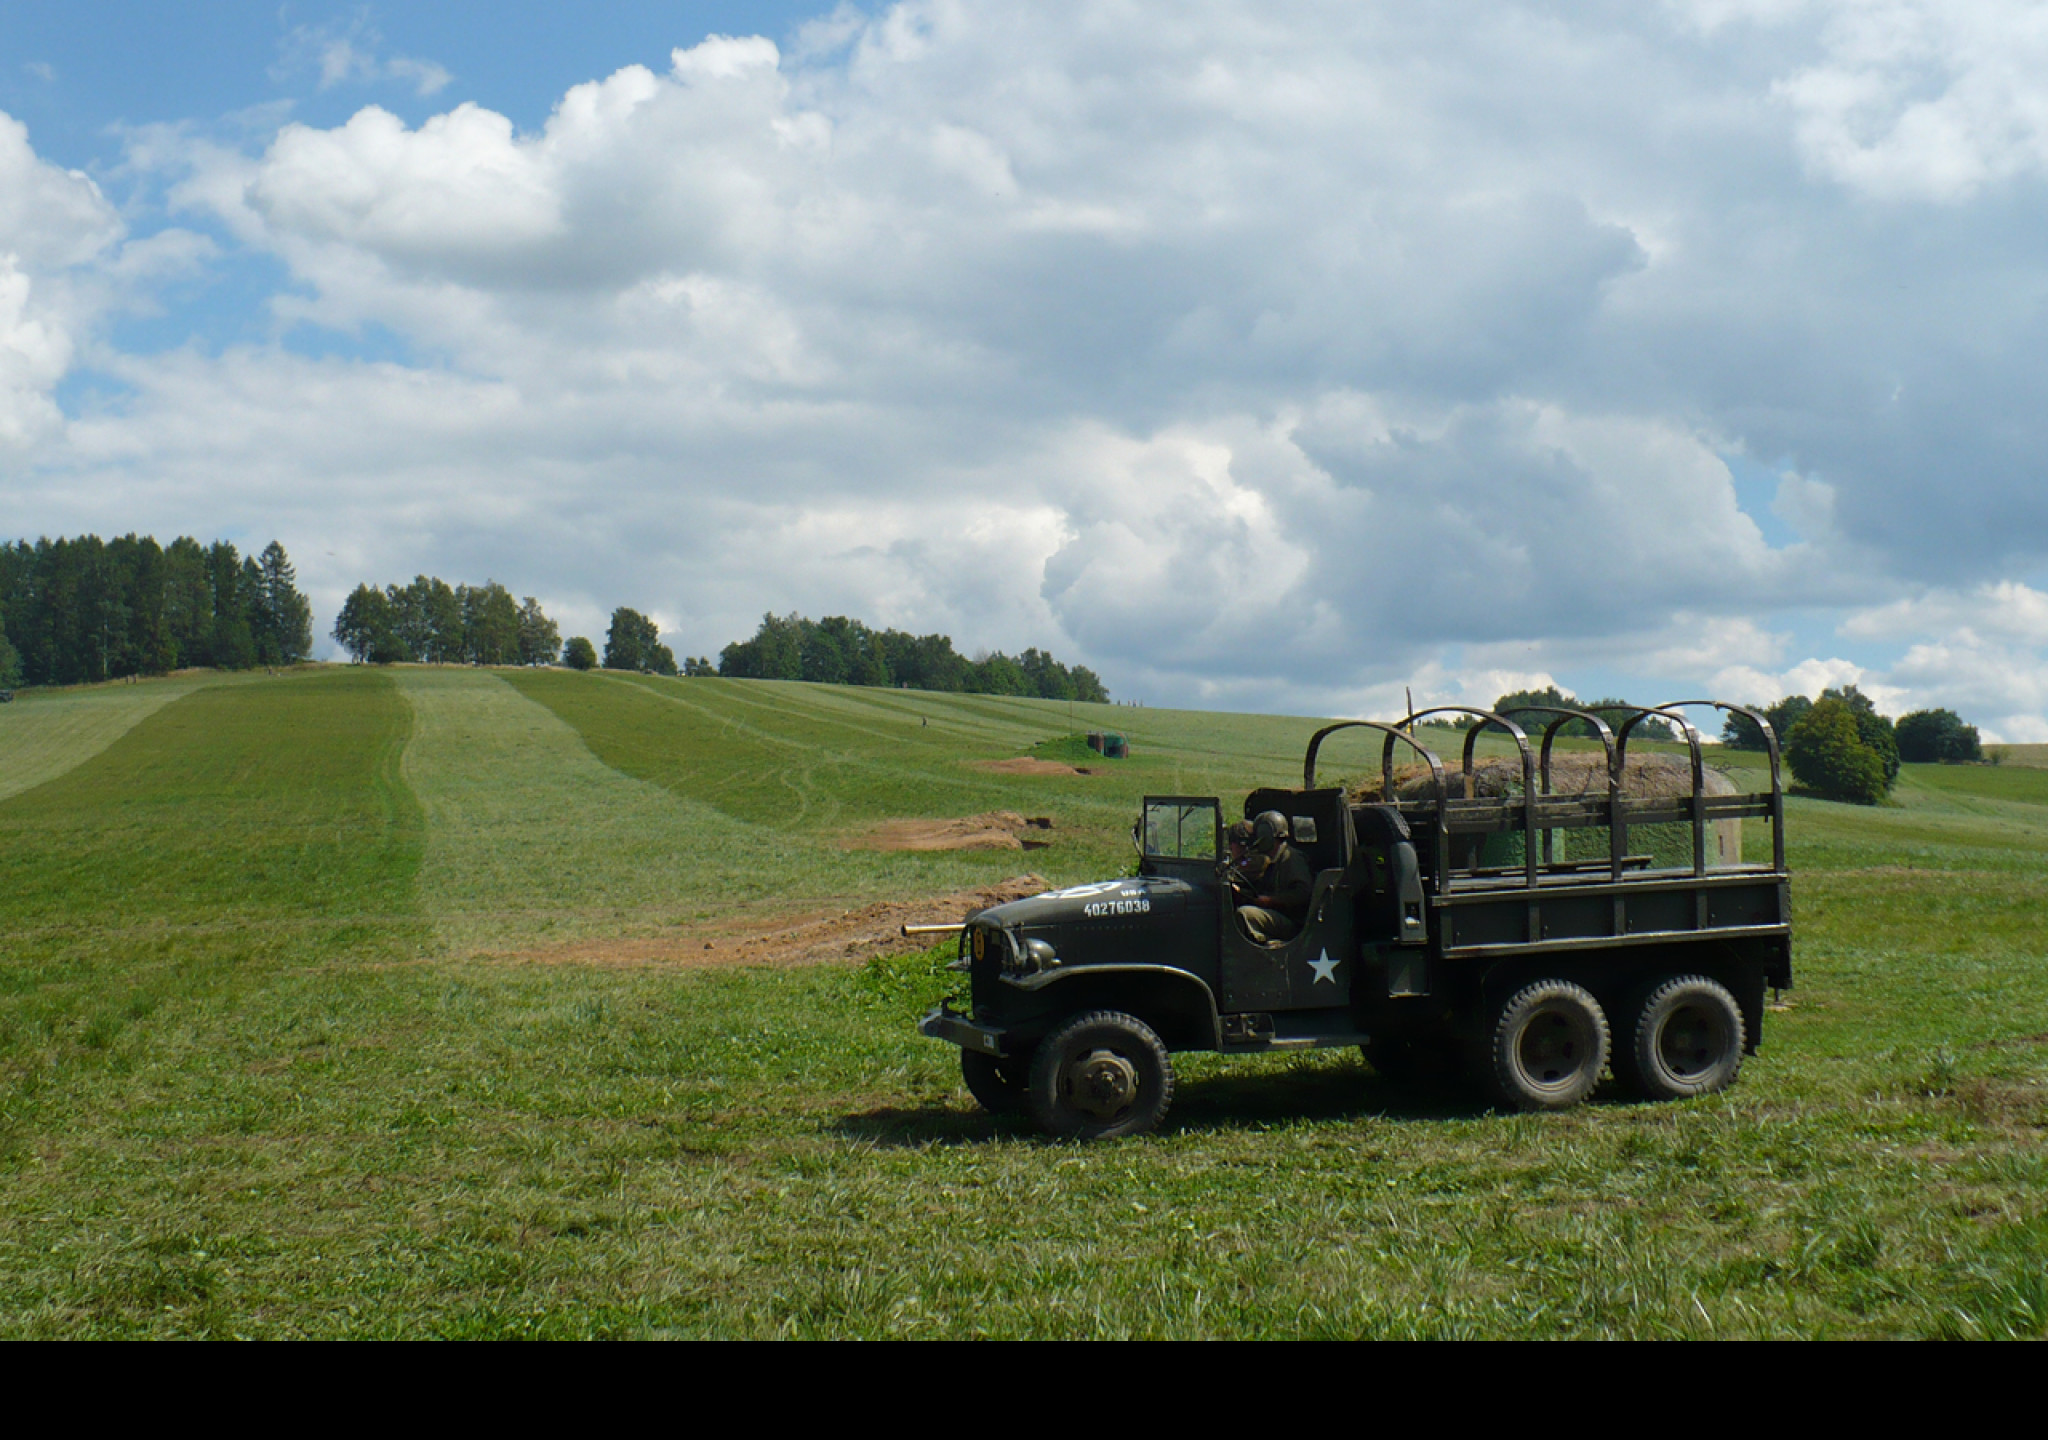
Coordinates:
(1179, 1006)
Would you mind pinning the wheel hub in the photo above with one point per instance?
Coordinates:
(1690, 1043)
(1102, 1084)
(1552, 1049)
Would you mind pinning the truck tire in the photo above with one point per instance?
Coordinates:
(996, 1085)
(1685, 1038)
(1100, 1075)
(1548, 1046)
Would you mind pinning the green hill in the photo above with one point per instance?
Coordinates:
(312, 1022)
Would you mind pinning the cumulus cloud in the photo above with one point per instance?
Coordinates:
(51, 222)
(1286, 355)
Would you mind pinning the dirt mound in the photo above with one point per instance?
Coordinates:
(850, 935)
(1030, 765)
(995, 830)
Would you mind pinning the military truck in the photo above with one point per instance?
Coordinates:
(1516, 939)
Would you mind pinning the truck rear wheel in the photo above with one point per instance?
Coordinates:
(1100, 1075)
(1685, 1038)
(996, 1085)
(1549, 1045)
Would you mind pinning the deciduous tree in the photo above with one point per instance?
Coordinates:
(1829, 758)
(539, 641)
(634, 643)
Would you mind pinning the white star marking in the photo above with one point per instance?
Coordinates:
(1325, 968)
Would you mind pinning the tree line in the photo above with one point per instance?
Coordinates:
(73, 611)
(842, 651)
(434, 622)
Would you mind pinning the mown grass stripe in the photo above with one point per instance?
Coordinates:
(44, 733)
(276, 799)
(531, 837)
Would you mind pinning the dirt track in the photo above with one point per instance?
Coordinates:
(994, 830)
(849, 935)
(1029, 765)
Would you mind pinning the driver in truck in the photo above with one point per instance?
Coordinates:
(1282, 883)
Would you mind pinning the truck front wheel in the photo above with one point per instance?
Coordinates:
(1100, 1075)
(1686, 1038)
(997, 1085)
(1549, 1045)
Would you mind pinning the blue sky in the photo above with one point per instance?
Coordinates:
(79, 72)
(1275, 357)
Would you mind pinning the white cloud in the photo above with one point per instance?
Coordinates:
(49, 218)
(456, 187)
(1927, 100)
(1981, 652)
(51, 222)
(2005, 609)
(33, 356)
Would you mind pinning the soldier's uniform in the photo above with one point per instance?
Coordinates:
(1288, 882)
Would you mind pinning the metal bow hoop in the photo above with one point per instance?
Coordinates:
(1436, 772)
(1770, 748)
(1539, 815)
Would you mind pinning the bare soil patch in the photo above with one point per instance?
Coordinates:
(1030, 765)
(813, 939)
(993, 830)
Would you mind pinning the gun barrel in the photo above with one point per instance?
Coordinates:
(933, 929)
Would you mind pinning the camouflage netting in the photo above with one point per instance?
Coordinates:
(1647, 777)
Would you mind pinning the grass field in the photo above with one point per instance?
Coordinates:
(286, 1048)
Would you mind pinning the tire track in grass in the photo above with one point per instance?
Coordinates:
(532, 840)
(45, 735)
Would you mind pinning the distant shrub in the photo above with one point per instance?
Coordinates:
(579, 654)
(1830, 759)
(1928, 736)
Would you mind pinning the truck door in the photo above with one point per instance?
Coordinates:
(1312, 971)
(1323, 959)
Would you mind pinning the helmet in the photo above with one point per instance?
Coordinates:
(1268, 830)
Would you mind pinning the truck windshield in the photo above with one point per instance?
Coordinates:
(1181, 829)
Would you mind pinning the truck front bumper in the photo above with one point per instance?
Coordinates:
(943, 1024)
